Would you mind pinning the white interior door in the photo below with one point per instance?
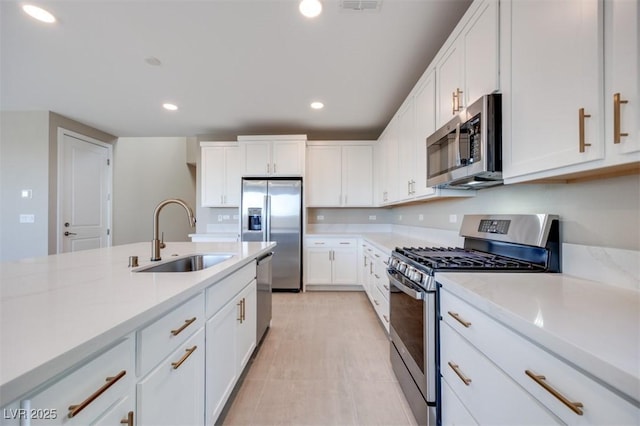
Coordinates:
(84, 192)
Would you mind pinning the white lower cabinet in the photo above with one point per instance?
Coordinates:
(231, 339)
(374, 280)
(490, 395)
(83, 396)
(454, 413)
(503, 377)
(173, 392)
(123, 413)
(331, 261)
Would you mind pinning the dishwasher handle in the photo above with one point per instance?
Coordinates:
(265, 257)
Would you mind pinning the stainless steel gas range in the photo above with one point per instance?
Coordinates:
(492, 243)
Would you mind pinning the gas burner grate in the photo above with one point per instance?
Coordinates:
(460, 258)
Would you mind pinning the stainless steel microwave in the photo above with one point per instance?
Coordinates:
(466, 153)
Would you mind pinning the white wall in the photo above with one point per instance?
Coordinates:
(24, 164)
(603, 212)
(147, 171)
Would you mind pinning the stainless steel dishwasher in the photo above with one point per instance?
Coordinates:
(263, 274)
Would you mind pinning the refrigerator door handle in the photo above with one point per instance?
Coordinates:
(265, 218)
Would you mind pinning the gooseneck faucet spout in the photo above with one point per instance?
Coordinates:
(155, 244)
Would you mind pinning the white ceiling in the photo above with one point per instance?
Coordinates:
(232, 66)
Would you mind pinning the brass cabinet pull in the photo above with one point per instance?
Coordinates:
(189, 351)
(128, 420)
(244, 309)
(186, 324)
(456, 317)
(386, 287)
(456, 369)
(539, 379)
(74, 410)
(458, 103)
(376, 302)
(385, 318)
(453, 103)
(617, 134)
(239, 304)
(581, 117)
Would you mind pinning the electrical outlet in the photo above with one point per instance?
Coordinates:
(453, 218)
(320, 217)
(26, 193)
(219, 218)
(27, 218)
(372, 217)
(420, 217)
(400, 217)
(226, 217)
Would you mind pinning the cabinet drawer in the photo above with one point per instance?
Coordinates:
(454, 413)
(332, 242)
(490, 395)
(173, 392)
(90, 389)
(223, 291)
(599, 404)
(164, 335)
(381, 306)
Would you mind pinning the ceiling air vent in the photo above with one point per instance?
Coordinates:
(360, 5)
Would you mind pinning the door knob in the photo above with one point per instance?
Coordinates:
(67, 233)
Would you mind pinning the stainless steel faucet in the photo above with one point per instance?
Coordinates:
(156, 244)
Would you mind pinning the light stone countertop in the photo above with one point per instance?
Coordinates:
(594, 326)
(57, 310)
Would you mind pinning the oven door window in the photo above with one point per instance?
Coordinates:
(407, 319)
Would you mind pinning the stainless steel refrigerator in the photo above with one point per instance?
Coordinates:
(272, 211)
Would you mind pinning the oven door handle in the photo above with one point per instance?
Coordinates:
(418, 295)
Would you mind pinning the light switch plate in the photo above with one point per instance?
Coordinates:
(27, 218)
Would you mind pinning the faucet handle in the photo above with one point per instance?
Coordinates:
(162, 244)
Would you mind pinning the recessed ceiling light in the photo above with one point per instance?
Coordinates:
(317, 105)
(170, 107)
(39, 13)
(310, 8)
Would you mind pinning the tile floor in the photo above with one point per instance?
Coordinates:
(325, 361)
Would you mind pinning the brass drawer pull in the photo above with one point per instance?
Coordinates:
(617, 134)
(456, 369)
(573, 406)
(385, 318)
(128, 420)
(386, 287)
(177, 365)
(74, 410)
(581, 117)
(456, 317)
(239, 305)
(186, 324)
(244, 309)
(376, 302)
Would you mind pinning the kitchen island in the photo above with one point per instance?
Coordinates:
(59, 311)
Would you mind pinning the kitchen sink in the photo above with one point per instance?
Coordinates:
(194, 262)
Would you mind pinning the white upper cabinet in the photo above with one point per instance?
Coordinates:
(467, 67)
(406, 149)
(578, 117)
(553, 104)
(340, 174)
(425, 125)
(622, 132)
(220, 174)
(449, 72)
(273, 155)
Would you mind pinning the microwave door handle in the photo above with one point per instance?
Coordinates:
(456, 144)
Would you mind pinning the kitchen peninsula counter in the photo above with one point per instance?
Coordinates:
(57, 310)
(593, 326)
